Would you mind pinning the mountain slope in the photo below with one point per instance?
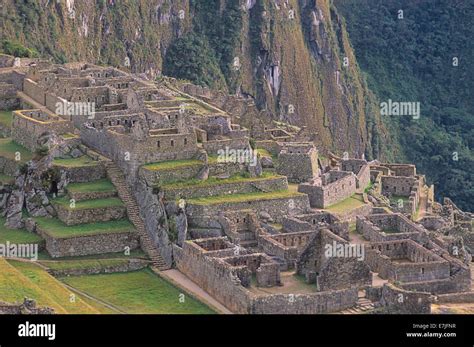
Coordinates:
(288, 54)
(425, 57)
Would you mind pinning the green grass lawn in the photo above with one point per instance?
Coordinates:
(347, 205)
(9, 148)
(18, 236)
(102, 186)
(25, 279)
(136, 253)
(55, 228)
(6, 118)
(75, 162)
(234, 198)
(65, 202)
(83, 263)
(212, 181)
(172, 164)
(138, 292)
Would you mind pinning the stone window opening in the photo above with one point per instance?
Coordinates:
(314, 221)
(185, 141)
(172, 143)
(158, 144)
(422, 270)
(110, 122)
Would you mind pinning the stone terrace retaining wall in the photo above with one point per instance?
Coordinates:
(257, 185)
(83, 174)
(81, 196)
(89, 245)
(278, 208)
(74, 216)
(126, 266)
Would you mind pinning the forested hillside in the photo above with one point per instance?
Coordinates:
(423, 54)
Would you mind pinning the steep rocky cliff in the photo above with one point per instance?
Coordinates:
(293, 57)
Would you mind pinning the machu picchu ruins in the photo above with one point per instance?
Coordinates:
(193, 184)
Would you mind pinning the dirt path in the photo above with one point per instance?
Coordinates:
(179, 279)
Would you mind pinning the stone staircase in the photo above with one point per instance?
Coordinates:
(116, 176)
(362, 305)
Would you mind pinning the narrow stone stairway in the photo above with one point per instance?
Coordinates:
(118, 180)
(362, 305)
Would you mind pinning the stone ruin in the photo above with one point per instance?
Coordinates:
(255, 236)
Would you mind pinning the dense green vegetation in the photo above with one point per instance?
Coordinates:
(207, 55)
(17, 49)
(413, 59)
(190, 58)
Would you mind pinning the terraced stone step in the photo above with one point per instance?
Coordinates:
(98, 189)
(214, 186)
(89, 211)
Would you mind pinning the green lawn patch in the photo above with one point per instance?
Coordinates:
(347, 205)
(172, 164)
(55, 228)
(76, 162)
(138, 292)
(136, 253)
(103, 185)
(65, 202)
(69, 136)
(17, 236)
(9, 148)
(54, 289)
(234, 198)
(212, 181)
(83, 264)
(6, 118)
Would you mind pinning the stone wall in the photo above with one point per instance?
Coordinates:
(386, 227)
(212, 147)
(125, 265)
(255, 185)
(34, 91)
(28, 126)
(157, 177)
(81, 196)
(399, 301)
(74, 216)
(89, 245)
(278, 208)
(406, 261)
(315, 303)
(339, 185)
(82, 174)
(214, 277)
